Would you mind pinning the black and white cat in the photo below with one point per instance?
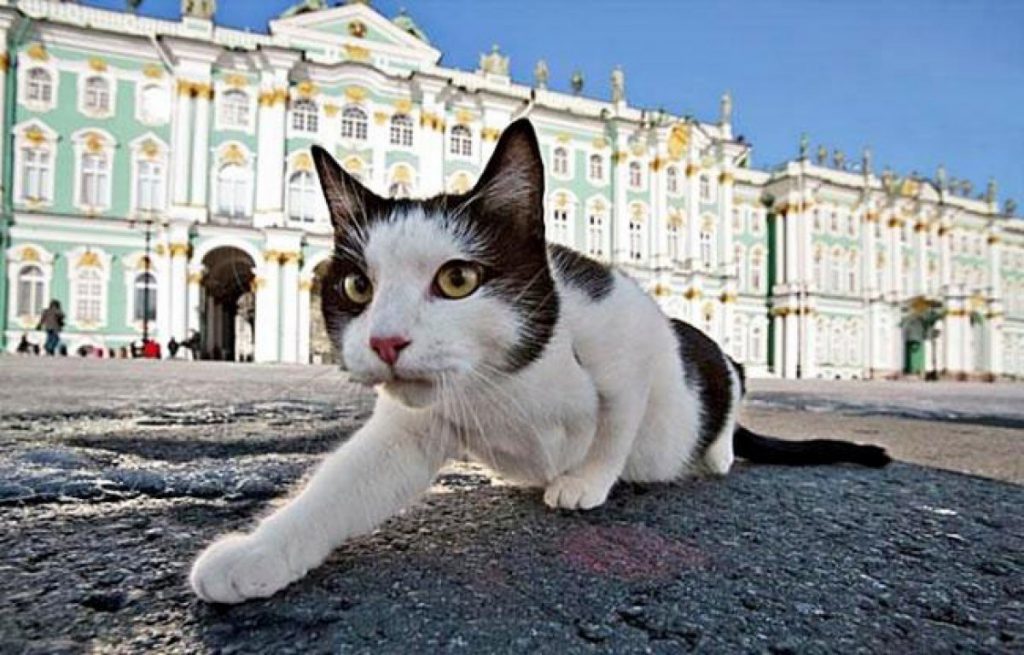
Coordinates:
(483, 340)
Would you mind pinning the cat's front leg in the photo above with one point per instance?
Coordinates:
(384, 466)
(587, 485)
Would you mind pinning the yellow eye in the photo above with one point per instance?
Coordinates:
(457, 279)
(358, 288)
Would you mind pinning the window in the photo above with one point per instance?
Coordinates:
(597, 168)
(833, 223)
(819, 269)
(672, 179)
(305, 116)
(757, 264)
(835, 264)
(560, 226)
(560, 162)
(39, 86)
(460, 142)
(233, 191)
(706, 249)
(636, 175)
(97, 95)
(595, 234)
(154, 106)
(353, 124)
(705, 188)
(30, 291)
(737, 220)
(851, 273)
(145, 297)
(149, 191)
(35, 174)
(756, 222)
(817, 220)
(853, 345)
(757, 343)
(636, 241)
(836, 343)
(302, 197)
(234, 109)
(741, 268)
(401, 130)
(739, 340)
(821, 340)
(94, 183)
(88, 287)
(673, 241)
(851, 225)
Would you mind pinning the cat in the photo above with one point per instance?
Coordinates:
(485, 341)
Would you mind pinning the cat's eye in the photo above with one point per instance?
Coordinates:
(457, 279)
(357, 288)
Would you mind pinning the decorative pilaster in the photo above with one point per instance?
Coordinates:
(693, 221)
(203, 95)
(181, 154)
(162, 268)
(179, 294)
(303, 328)
(290, 307)
(270, 141)
(430, 141)
(726, 255)
(267, 289)
(921, 264)
(620, 198)
(196, 270)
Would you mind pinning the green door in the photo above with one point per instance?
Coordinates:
(914, 358)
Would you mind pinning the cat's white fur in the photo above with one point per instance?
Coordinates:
(589, 412)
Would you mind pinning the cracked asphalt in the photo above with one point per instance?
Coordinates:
(114, 474)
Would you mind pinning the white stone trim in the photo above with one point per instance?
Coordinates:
(106, 76)
(49, 143)
(25, 65)
(108, 146)
(73, 258)
(16, 261)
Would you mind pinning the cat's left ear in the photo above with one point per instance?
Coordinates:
(511, 188)
(348, 201)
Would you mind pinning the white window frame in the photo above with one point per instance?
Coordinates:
(300, 116)
(672, 181)
(740, 253)
(220, 110)
(160, 158)
(16, 261)
(636, 182)
(563, 171)
(602, 168)
(245, 177)
(357, 134)
(27, 65)
(758, 274)
(132, 268)
(107, 150)
(103, 272)
(141, 114)
(460, 142)
(49, 145)
(83, 94)
(307, 210)
(402, 131)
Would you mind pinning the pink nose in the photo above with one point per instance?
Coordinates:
(388, 348)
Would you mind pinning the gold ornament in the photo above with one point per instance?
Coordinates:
(356, 93)
(303, 162)
(37, 51)
(153, 71)
(356, 53)
(97, 64)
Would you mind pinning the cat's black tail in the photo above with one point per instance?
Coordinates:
(769, 450)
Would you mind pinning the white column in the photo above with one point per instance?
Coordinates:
(945, 254)
(868, 260)
(195, 295)
(692, 214)
(895, 281)
(952, 331)
(657, 245)
(289, 307)
(305, 286)
(162, 270)
(201, 145)
(270, 154)
(181, 153)
(792, 344)
(778, 336)
(4, 65)
(921, 263)
(620, 200)
(792, 225)
(268, 295)
(179, 294)
(725, 201)
(430, 143)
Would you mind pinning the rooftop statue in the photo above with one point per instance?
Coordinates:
(839, 159)
(726, 108)
(940, 178)
(991, 191)
(304, 7)
(804, 145)
(541, 74)
(1010, 207)
(618, 85)
(866, 161)
(822, 157)
(198, 8)
(494, 63)
(576, 82)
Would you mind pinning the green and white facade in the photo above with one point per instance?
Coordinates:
(200, 135)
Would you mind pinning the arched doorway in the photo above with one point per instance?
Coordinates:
(321, 350)
(228, 305)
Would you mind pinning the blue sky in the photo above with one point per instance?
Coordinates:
(921, 82)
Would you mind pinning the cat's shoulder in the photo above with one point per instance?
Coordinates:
(576, 270)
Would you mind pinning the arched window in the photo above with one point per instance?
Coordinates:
(305, 116)
(595, 233)
(757, 343)
(460, 142)
(636, 240)
(672, 179)
(636, 175)
(836, 271)
(833, 224)
(302, 197)
(30, 291)
(597, 168)
(39, 86)
(233, 191)
(739, 339)
(757, 265)
(851, 272)
(353, 124)
(149, 180)
(756, 222)
(706, 249)
(234, 109)
(560, 226)
(35, 174)
(560, 162)
(94, 182)
(97, 94)
(705, 188)
(672, 233)
(145, 297)
(739, 254)
(401, 130)
(737, 220)
(817, 220)
(88, 287)
(154, 106)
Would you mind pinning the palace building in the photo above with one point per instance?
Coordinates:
(157, 176)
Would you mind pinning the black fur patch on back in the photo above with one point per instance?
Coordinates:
(706, 368)
(577, 270)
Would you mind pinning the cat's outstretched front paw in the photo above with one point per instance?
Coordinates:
(238, 567)
(575, 492)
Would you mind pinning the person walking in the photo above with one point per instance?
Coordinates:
(52, 321)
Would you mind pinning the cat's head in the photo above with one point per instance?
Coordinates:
(424, 294)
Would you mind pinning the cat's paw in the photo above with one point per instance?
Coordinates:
(238, 567)
(574, 492)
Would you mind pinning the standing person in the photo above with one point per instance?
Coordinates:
(172, 347)
(52, 321)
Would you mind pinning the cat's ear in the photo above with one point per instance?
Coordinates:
(348, 201)
(511, 188)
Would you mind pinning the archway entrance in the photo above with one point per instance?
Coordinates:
(321, 350)
(228, 306)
